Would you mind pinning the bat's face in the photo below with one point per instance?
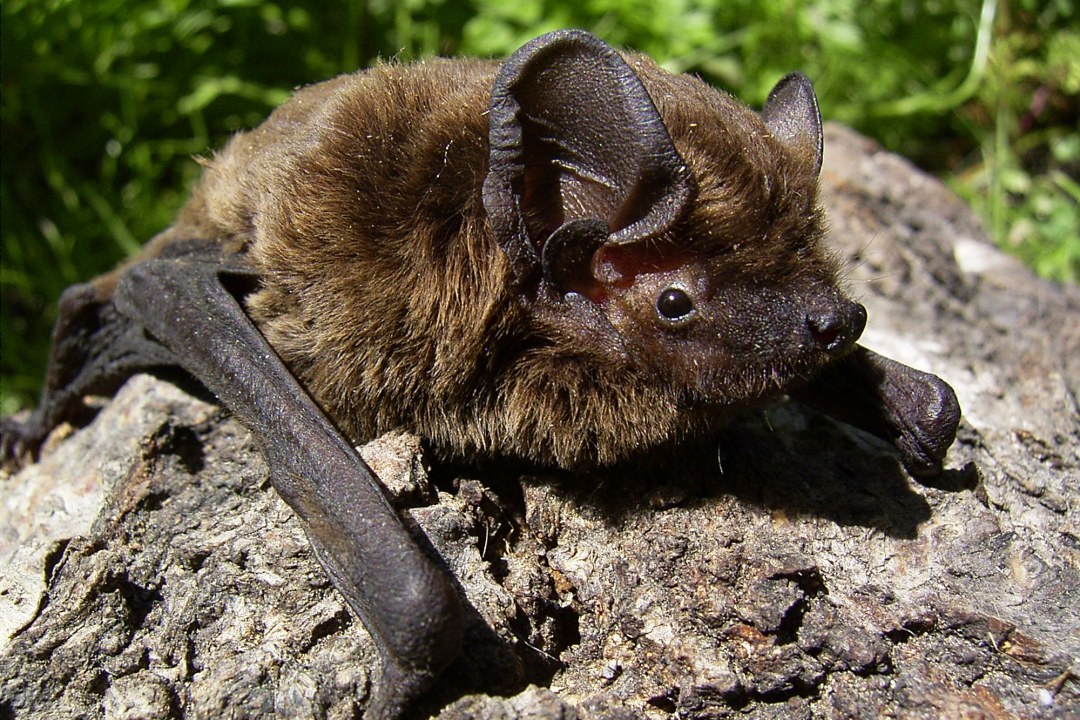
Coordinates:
(712, 328)
(680, 237)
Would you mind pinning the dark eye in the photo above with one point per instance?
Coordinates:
(674, 304)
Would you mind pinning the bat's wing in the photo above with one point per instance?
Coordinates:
(177, 310)
(94, 350)
(916, 411)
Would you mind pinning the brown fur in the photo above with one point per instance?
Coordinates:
(385, 292)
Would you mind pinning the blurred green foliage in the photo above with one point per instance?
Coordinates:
(106, 103)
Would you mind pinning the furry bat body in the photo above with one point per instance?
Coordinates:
(571, 259)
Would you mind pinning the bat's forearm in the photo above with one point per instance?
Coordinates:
(404, 599)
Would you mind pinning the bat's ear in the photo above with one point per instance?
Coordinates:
(576, 144)
(792, 116)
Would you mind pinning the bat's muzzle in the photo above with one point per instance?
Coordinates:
(836, 329)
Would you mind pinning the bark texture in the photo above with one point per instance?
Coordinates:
(147, 569)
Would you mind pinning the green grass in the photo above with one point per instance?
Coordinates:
(106, 103)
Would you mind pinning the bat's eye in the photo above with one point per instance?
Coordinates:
(674, 304)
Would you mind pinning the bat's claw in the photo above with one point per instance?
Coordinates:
(916, 411)
(927, 425)
(19, 441)
(395, 691)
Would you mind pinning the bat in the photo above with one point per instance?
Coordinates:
(572, 259)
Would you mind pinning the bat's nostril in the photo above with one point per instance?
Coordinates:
(837, 329)
(826, 329)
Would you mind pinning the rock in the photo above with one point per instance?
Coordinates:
(150, 571)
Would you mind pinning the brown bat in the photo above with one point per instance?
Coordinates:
(572, 259)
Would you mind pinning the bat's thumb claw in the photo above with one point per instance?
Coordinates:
(19, 442)
(929, 421)
(395, 691)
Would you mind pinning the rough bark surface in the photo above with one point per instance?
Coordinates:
(147, 569)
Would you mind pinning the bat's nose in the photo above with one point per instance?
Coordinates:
(837, 328)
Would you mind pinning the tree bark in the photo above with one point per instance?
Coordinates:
(149, 571)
